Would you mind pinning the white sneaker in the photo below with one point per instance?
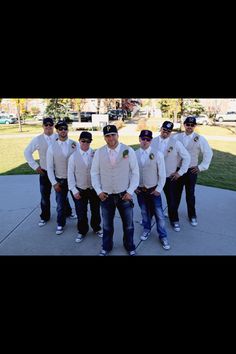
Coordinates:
(99, 233)
(176, 226)
(193, 222)
(42, 223)
(73, 216)
(145, 235)
(59, 230)
(79, 238)
(165, 243)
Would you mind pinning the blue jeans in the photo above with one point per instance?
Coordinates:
(152, 205)
(45, 190)
(81, 207)
(125, 209)
(63, 206)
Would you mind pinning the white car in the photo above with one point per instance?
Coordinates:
(227, 117)
(202, 119)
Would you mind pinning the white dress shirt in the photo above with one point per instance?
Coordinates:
(50, 161)
(133, 177)
(144, 154)
(113, 153)
(163, 144)
(85, 155)
(204, 147)
(187, 138)
(64, 146)
(33, 146)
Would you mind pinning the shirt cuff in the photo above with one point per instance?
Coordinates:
(130, 191)
(180, 172)
(74, 190)
(158, 189)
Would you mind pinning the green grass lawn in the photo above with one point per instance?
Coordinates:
(221, 173)
(26, 128)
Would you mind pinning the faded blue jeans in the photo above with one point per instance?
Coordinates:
(152, 205)
(125, 209)
(63, 206)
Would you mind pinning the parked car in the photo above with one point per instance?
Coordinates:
(86, 116)
(73, 116)
(143, 113)
(117, 114)
(227, 117)
(202, 119)
(6, 119)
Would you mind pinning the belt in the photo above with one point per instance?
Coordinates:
(147, 190)
(121, 194)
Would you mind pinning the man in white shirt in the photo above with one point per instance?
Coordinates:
(79, 182)
(57, 165)
(174, 152)
(195, 145)
(152, 174)
(115, 176)
(41, 143)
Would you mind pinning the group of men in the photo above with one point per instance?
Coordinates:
(108, 178)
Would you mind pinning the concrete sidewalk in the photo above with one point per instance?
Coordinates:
(20, 234)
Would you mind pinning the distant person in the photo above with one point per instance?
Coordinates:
(152, 180)
(41, 143)
(195, 144)
(177, 161)
(79, 182)
(115, 176)
(57, 165)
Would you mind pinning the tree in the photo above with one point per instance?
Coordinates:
(193, 107)
(57, 108)
(20, 106)
(35, 110)
(171, 108)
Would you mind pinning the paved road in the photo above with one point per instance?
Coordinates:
(20, 234)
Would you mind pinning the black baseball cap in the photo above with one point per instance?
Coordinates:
(109, 129)
(145, 134)
(85, 135)
(190, 120)
(167, 125)
(48, 120)
(60, 124)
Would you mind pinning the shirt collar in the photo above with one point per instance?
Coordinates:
(117, 149)
(61, 142)
(147, 151)
(82, 152)
(190, 136)
(164, 140)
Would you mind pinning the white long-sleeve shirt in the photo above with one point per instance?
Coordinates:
(133, 177)
(71, 170)
(34, 146)
(160, 162)
(204, 147)
(50, 160)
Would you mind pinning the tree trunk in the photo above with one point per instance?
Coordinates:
(19, 116)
